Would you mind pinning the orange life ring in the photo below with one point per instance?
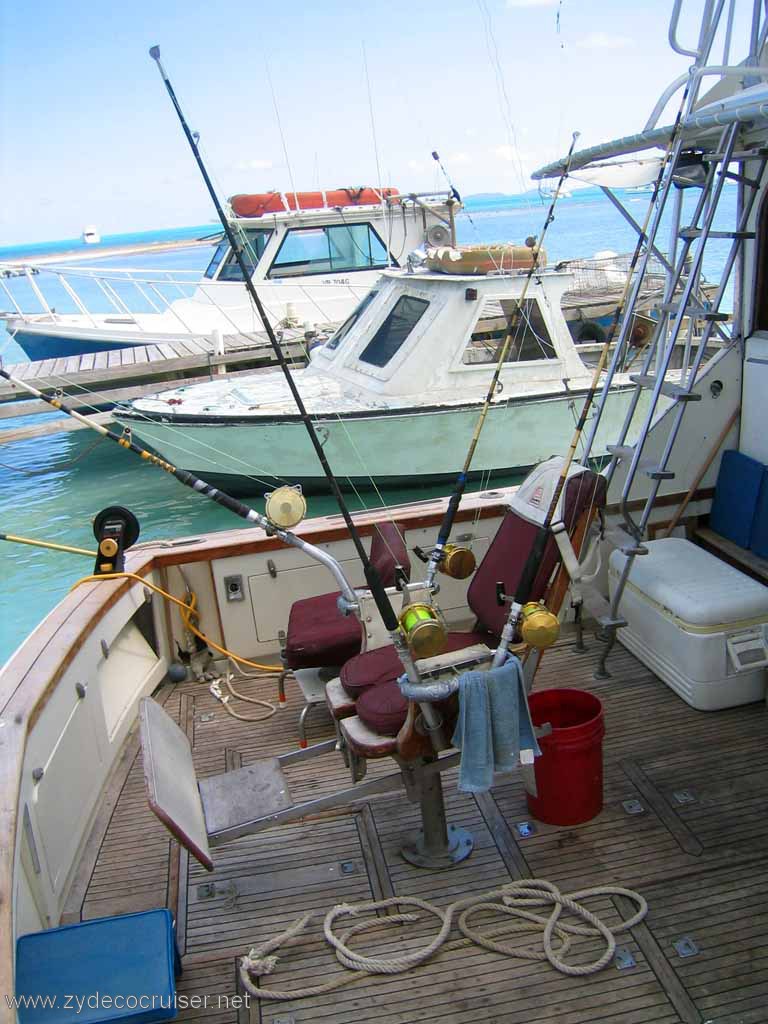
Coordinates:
(642, 329)
(259, 203)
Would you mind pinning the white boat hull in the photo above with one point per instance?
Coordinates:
(393, 448)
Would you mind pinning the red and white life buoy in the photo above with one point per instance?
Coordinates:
(259, 203)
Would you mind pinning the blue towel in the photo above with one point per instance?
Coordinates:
(494, 724)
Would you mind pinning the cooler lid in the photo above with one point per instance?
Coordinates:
(694, 585)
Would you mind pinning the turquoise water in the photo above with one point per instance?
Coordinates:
(75, 474)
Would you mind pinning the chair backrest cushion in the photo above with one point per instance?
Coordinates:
(388, 550)
(507, 554)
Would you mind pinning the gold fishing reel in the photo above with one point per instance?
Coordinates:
(539, 627)
(286, 506)
(457, 562)
(423, 629)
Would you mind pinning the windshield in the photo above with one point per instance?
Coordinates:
(254, 241)
(350, 322)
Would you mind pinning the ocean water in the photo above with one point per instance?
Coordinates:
(52, 487)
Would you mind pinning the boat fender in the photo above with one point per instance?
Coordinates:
(590, 330)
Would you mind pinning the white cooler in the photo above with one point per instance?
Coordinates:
(699, 624)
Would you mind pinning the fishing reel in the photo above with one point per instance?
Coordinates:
(538, 627)
(457, 562)
(286, 506)
(424, 630)
(115, 529)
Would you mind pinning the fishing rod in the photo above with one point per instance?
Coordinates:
(372, 578)
(197, 484)
(438, 552)
(536, 553)
(46, 544)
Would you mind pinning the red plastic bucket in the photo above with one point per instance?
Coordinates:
(569, 773)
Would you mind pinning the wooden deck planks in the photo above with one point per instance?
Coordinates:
(700, 865)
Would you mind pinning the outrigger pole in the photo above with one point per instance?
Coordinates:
(437, 553)
(372, 577)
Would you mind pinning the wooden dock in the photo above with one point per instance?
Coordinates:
(103, 378)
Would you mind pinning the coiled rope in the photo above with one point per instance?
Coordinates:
(514, 901)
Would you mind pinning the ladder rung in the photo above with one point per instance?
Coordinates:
(680, 394)
(625, 542)
(600, 609)
(750, 182)
(621, 451)
(697, 312)
(659, 474)
(691, 232)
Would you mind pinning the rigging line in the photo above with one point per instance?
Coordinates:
(280, 130)
(501, 86)
(373, 122)
(372, 577)
(174, 429)
(453, 504)
(201, 486)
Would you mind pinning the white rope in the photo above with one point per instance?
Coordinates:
(516, 900)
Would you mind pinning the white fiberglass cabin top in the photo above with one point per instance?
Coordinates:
(396, 391)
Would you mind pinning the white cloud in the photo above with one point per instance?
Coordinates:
(416, 165)
(253, 165)
(531, 3)
(602, 41)
(458, 158)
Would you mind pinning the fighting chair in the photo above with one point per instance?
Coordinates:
(372, 718)
(367, 684)
(320, 638)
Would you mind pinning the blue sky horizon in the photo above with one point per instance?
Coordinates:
(88, 134)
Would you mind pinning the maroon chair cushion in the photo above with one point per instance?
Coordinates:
(388, 551)
(383, 709)
(508, 551)
(376, 668)
(319, 635)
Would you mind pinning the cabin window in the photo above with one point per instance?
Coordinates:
(530, 338)
(254, 243)
(392, 334)
(329, 250)
(351, 320)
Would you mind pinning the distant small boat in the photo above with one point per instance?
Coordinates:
(91, 235)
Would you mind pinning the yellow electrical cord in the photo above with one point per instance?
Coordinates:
(187, 612)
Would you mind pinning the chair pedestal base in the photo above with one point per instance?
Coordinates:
(436, 845)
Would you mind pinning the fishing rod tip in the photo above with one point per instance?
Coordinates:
(154, 52)
(435, 155)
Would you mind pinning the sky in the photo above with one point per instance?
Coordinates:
(88, 134)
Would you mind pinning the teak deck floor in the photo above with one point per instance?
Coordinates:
(697, 852)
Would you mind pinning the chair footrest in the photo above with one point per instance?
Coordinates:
(364, 741)
(340, 704)
(246, 794)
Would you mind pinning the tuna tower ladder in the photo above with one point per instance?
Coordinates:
(703, 149)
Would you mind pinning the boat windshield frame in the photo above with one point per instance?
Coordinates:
(341, 333)
(309, 267)
(224, 266)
